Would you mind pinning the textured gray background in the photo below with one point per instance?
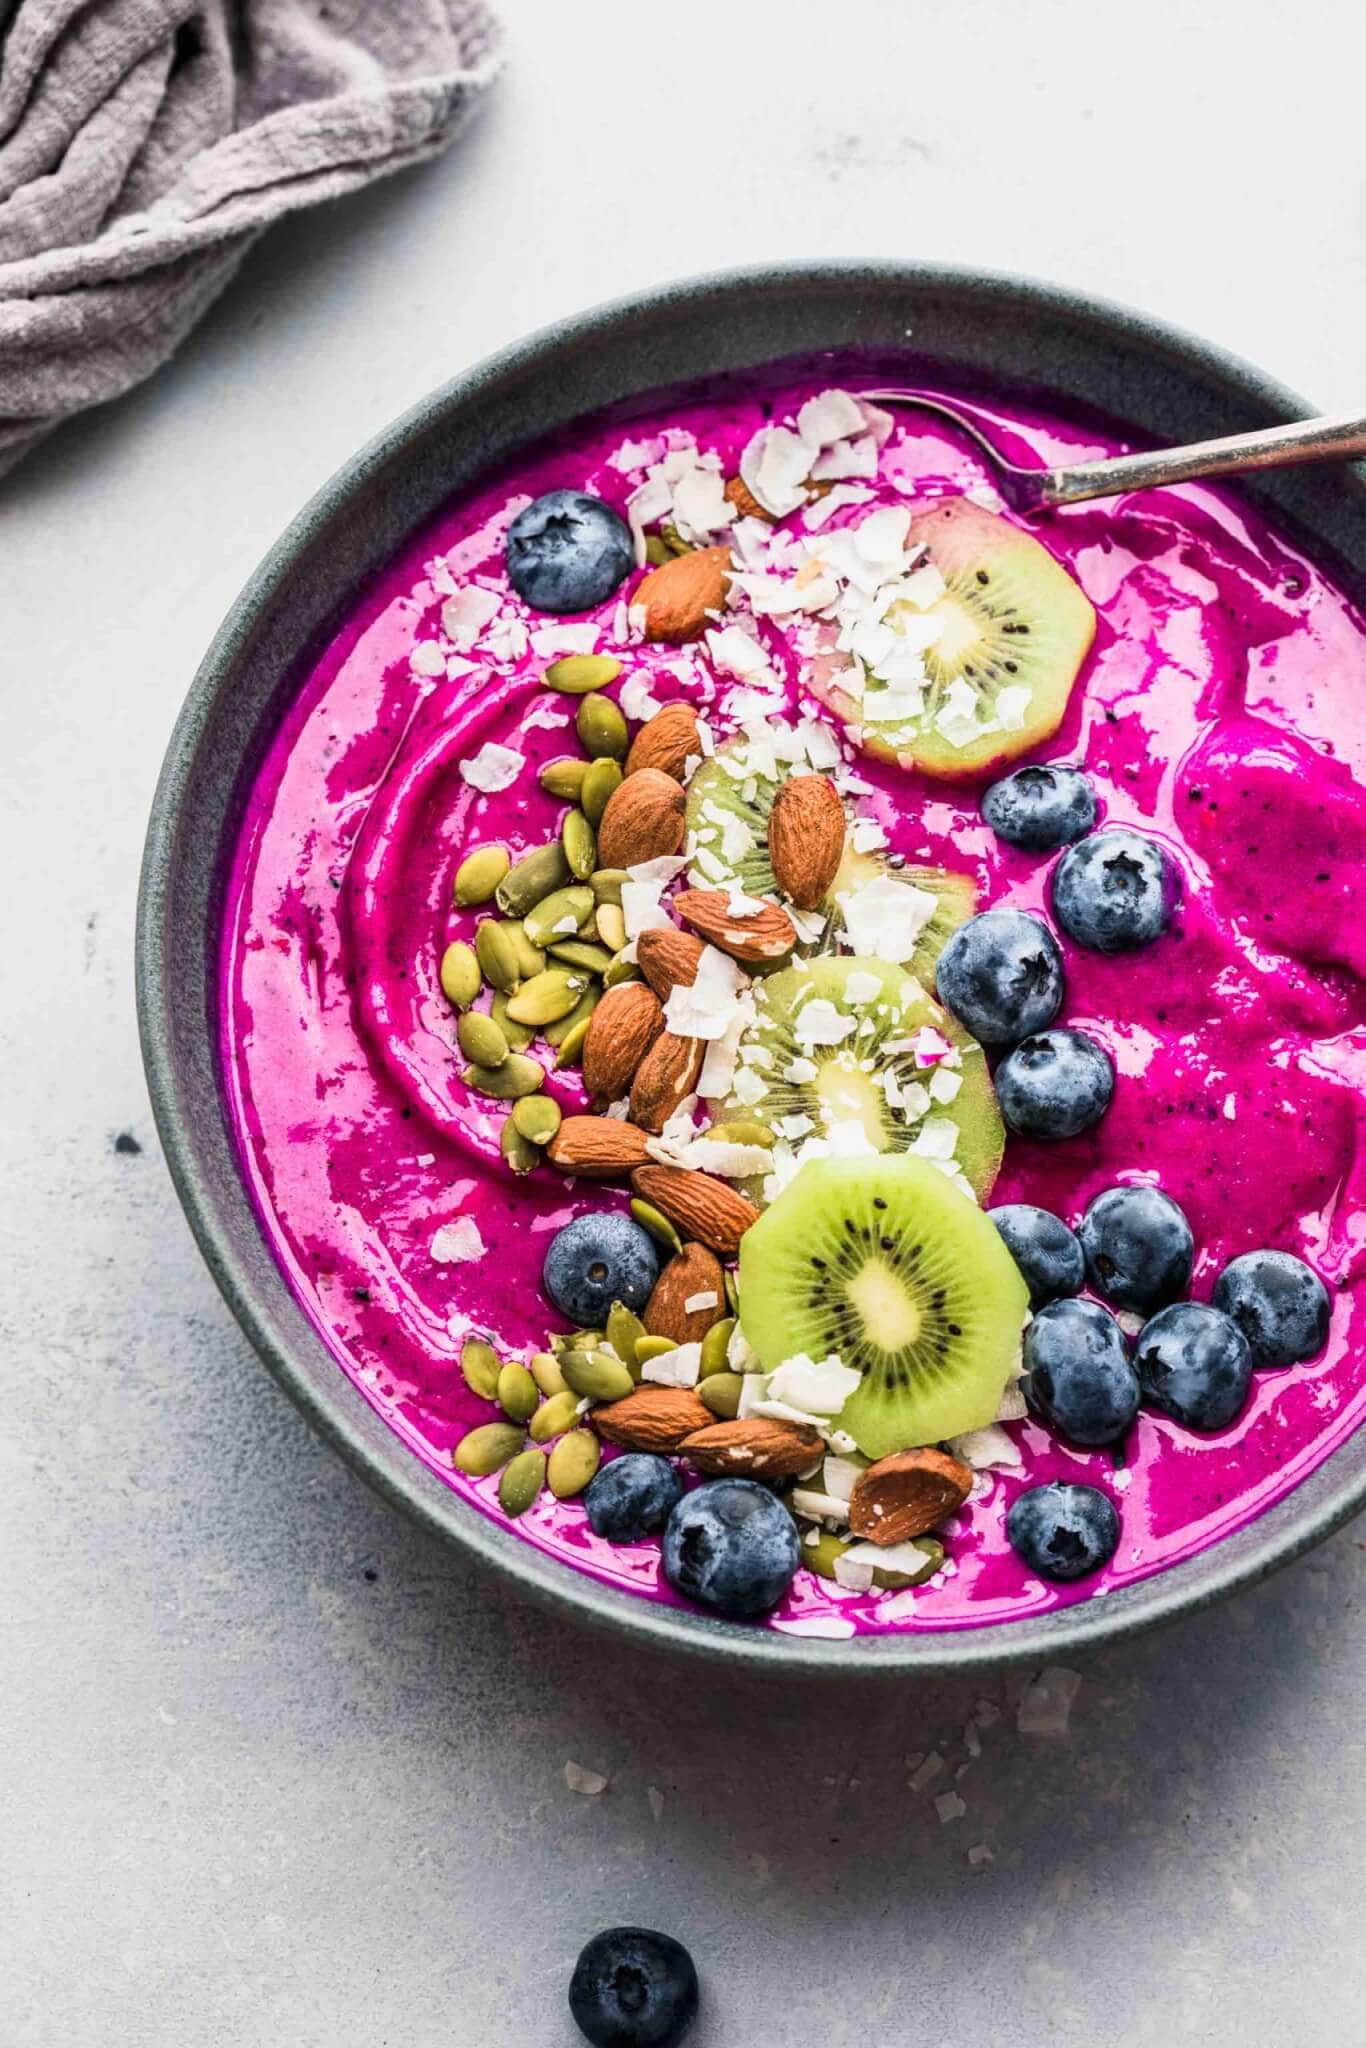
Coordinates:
(283, 1772)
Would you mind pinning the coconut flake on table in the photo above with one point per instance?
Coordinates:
(464, 616)
(493, 768)
(884, 917)
(458, 1242)
(924, 1770)
(1045, 1706)
(820, 1388)
(677, 1368)
(589, 1783)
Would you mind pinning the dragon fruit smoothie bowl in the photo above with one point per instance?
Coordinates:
(796, 1039)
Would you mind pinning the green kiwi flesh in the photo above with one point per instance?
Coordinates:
(1011, 618)
(843, 1088)
(884, 1263)
(718, 792)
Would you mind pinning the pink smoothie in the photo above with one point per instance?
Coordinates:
(1219, 710)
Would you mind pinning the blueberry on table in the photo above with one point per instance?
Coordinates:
(632, 1497)
(1077, 1372)
(1063, 1531)
(1114, 891)
(1280, 1305)
(633, 1988)
(1041, 807)
(567, 552)
(1048, 1254)
(1139, 1248)
(1055, 1084)
(1001, 975)
(1195, 1364)
(732, 1545)
(596, 1260)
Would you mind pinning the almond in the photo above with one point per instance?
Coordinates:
(907, 1494)
(621, 1031)
(697, 1205)
(806, 838)
(755, 1449)
(689, 1274)
(678, 597)
(644, 819)
(666, 742)
(599, 1147)
(757, 940)
(667, 1073)
(747, 506)
(668, 958)
(652, 1418)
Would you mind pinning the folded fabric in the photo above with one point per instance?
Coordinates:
(144, 144)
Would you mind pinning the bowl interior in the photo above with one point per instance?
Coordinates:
(970, 330)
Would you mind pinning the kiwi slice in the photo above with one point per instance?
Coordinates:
(868, 1089)
(883, 1262)
(729, 799)
(1013, 631)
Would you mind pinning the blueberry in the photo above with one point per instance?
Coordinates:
(1114, 891)
(1048, 1254)
(1280, 1305)
(1039, 808)
(1063, 1531)
(1001, 975)
(567, 552)
(632, 1497)
(1077, 1372)
(1194, 1363)
(1139, 1249)
(633, 1988)
(1055, 1084)
(596, 1260)
(732, 1545)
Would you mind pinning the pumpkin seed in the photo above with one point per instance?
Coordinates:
(611, 924)
(460, 974)
(518, 1036)
(596, 1375)
(563, 778)
(572, 1463)
(602, 778)
(571, 1045)
(545, 1370)
(547, 996)
(720, 1391)
(657, 550)
(716, 1345)
(619, 971)
(537, 1117)
(561, 1032)
(654, 1347)
(574, 1340)
(575, 673)
(487, 1449)
(602, 728)
(732, 1287)
(624, 1332)
(559, 916)
(518, 1394)
(674, 541)
(519, 1152)
(498, 957)
(481, 1040)
(659, 1227)
(560, 1413)
(741, 1131)
(522, 1480)
(480, 1368)
(479, 874)
(533, 878)
(606, 884)
(580, 845)
(821, 1556)
(581, 953)
(517, 1076)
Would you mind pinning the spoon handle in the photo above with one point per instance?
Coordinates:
(1266, 448)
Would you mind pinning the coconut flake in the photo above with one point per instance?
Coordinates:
(677, 1368)
(884, 918)
(819, 1389)
(464, 616)
(493, 768)
(458, 1243)
(987, 1450)
(552, 641)
(1046, 1703)
(589, 1783)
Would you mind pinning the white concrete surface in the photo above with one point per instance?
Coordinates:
(280, 1771)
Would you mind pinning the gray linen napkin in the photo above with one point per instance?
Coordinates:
(144, 144)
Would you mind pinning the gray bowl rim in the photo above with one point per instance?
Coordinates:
(1312, 1511)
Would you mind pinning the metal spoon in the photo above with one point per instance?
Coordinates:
(1027, 490)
